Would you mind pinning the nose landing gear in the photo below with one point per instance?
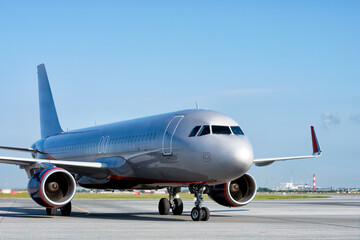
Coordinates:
(199, 213)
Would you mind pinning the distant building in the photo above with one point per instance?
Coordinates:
(7, 191)
(289, 186)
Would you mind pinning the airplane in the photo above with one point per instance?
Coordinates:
(203, 150)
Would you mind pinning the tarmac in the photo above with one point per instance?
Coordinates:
(333, 218)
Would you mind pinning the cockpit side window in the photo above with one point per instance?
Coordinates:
(220, 130)
(205, 130)
(237, 130)
(194, 131)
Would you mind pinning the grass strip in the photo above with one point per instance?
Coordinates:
(183, 195)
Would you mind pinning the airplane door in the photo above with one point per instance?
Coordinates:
(103, 144)
(100, 146)
(169, 134)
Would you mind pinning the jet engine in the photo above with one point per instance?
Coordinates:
(54, 187)
(236, 193)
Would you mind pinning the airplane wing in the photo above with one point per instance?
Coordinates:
(30, 161)
(316, 153)
(30, 150)
(93, 169)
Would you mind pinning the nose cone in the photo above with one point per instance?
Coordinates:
(237, 158)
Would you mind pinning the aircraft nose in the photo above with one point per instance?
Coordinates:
(238, 158)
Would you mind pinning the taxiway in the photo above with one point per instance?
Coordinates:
(333, 218)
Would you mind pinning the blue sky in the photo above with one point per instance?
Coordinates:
(276, 67)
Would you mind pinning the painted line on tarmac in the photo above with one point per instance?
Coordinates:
(88, 212)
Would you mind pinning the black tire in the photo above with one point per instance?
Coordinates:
(51, 211)
(196, 214)
(205, 214)
(178, 206)
(66, 210)
(164, 206)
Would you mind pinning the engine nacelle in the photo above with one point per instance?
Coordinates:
(236, 193)
(54, 187)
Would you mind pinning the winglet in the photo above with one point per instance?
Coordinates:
(315, 143)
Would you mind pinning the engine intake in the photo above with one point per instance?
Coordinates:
(54, 187)
(236, 193)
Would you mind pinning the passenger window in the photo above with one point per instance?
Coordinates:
(205, 130)
(220, 130)
(194, 131)
(237, 130)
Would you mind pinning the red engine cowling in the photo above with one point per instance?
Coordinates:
(236, 193)
(54, 187)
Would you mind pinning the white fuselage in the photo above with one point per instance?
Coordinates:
(156, 151)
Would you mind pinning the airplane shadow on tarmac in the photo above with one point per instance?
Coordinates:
(16, 212)
(151, 216)
(22, 212)
(138, 216)
(30, 213)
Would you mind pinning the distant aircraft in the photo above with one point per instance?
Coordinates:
(203, 150)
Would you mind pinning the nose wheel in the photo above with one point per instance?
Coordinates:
(175, 204)
(199, 213)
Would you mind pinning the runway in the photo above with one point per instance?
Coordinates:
(334, 218)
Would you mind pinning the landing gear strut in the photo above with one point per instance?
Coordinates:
(175, 204)
(199, 213)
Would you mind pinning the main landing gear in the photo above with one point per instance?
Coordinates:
(175, 204)
(199, 213)
(65, 210)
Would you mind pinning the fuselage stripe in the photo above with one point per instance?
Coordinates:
(158, 180)
(47, 154)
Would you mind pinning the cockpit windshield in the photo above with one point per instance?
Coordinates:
(205, 130)
(215, 129)
(237, 130)
(194, 131)
(220, 130)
